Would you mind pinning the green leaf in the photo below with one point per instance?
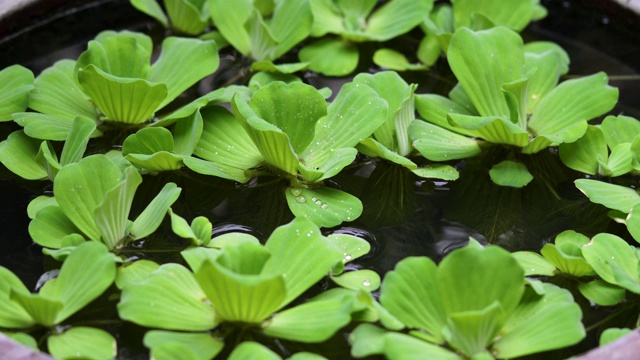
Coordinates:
(314, 321)
(541, 323)
(152, 149)
(633, 222)
(204, 346)
(294, 108)
(224, 140)
(230, 19)
(16, 82)
(40, 203)
(404, 347)
(112, 213)
(280, 72)
(151, 217)
(216, 169)
(169, 298)
(12, 315)
(557, 110)
(437, 171)
(533, 264)
(301, 255)
(510, 173)
(82, 342)
(42, 310)
(373, 148)
(47, 98)
(190, 17)
(249, 350)
(619, 130)
(45, 127)
(516, 15)
(290, 24)
(50, 226)
(326, 207)
(612, 334)
(434, 109)
(354, 115)
(611, 196)
(18, 153)
(237, 295)
(472, 331)
(84, 276)
(330, 56)
(138, 270)
(602, 293)
(151, 8)
(353, 247)
(620, 161)
(328, 18)
(131, 101)
(610, 257)
(367, 280)
(367, 340)
(22, 338)
(187, 133)
(394, 60)
(585, 153)
(81, 187)
(396, 18)
(439, 144)
(498, 130)
(544, 64)
(566, 262)
(196, 58)
(410, 293)
(472, 57)
(77, 140)
(272, 142)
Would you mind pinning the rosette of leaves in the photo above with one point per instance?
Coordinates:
(356, 22)
(92, 200)
(243, 283)
(84, 276)
(391, 140)
(263, 30)
(445, 19)
(289, 131)
(471, 309)
(609, 149)
(113, 81)
(562, 257)
(507, 95)
(186, 16)
(15, 83)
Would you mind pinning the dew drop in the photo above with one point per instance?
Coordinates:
(366, 283)
(347, 257)
(296, 191)
(318, 202)
(324, 206)
(301, 199)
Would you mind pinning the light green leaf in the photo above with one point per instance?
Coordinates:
(84, 276)
(204, 346)
(330, 56)
(544, 69)
(138, 270)
(50, 226)
(326, 207)
(230, 19)
(437, 171)
(112, 213)
(151, 217)
(498, 130)
(12, 315)
(611, 196)
(602, 292)
(187, 133)
(620, 161)
(367, 280)
(153, 9)
(533, 263)
(293, 108)
(16, 82)
(301, 255)
(314, 321)
(353, 247)
(290, 24)
(272, 142)
(439, 144)
(77, 140)
(612, 334)
(373, 148)
(585, 154)
(42, 310)
(472, 331)
(47, 98)
(249, 350)
(122, 54)
(404, 347)
(249, 298)
(224, 140)
(434, 109)
(277, 71)
(479, 61)
(148, 141)
(169, 298)
(81, 187)
(196, 58)
(45, 127)
(608, 254)
(83, 342)
(188, 16)
(557, 110)
(516, 14)
(367, 340)
(568, 262)
(18, 153)
(196, 256)
(216, 169)
(22, 338)
(541, 323)
(40, 203)
(395, 60)
(410, 293)
(619, 130)
(510, 173)
(633, 222)
(396, 18)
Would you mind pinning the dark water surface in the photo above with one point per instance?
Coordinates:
(403, 215)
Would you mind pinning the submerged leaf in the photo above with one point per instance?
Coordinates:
(510, 173)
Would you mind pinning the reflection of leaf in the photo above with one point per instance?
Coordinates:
(388, 196)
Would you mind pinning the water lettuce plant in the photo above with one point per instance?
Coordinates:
(469, 308)
(241, 282)
(84, 276)
(355, 22)
(15, 83)
(508, 95)
(92, 201)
